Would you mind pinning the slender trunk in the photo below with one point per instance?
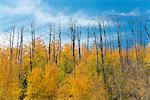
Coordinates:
(31, 62)
(21, 51)
(73, 46)
(54, 48)
(135, 42)
(32, 51)
(73, 51)
(127, 47)
(120, 48)
(59, 42)
(79, 45)
(88, 35)
(49, 47)
(95, 41)
(12, 43)
(102, 54)
(141, 36)
(105, 42)
(17, 55)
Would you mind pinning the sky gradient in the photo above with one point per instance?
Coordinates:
(45, 12)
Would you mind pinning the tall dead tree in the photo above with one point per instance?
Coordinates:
(127, 46)
(72, 27)
(31, 61)
(88, 36)
(32, 50)
(22, 76)
(105, 42)
(141, 34)
(102, 54)
(33, 38)
(79, 44)
(12, 42)
(120, 47)
(49, 45)
(17, 51)
(54, 47)
(96, 47)
(59, 41)
(135, 40)
(21, 51)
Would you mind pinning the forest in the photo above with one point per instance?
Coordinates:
(104, 68)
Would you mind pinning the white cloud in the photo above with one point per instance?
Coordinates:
(42, 15)
(134, 12)
(21, 7)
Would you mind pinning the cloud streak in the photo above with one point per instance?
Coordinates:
(40, 14)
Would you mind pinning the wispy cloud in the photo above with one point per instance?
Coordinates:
(41, 14)
(134, 12)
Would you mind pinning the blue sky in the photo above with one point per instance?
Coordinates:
(44, 12)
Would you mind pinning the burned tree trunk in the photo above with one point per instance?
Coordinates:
(88, 36)
(32, 49)
(31, 61)
(141, 35)
(49, 45)
(17, 54)
(12, 42)
(72, 27)
(59, 42)
(33, 38)
(135, 41)
(54, 47)
(102, 54)
(104, 38)
(96, 47)
(79, 45)
(22, 76)
(21, 51)
(120, 48)
(127, 47)
(73, 51)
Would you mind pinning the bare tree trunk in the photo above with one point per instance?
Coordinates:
(73, 51)
(95, 41)
(31, 61)
(102, 54)
(127, 47)
(54, 48)
(17, 55)
(88, 35)
(141, 35)
(79, 45)
(33, 38)
(135, 42)
(120, 48)
(11, 47)
(72, 27)
(49, 45)
(32, 50)
(12, 42)
(22, 76)
(59, 42)
(21, 51)
(105, 44)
